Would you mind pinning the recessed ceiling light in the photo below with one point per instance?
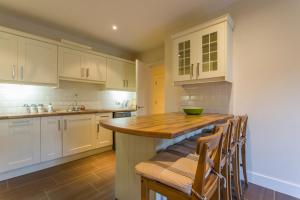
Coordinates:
(114, 27)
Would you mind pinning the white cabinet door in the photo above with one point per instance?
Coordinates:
(78, 133)
(103, 135)
(116, 74)
(5, 146)
(37, 62)
(130, 76)
(51, 138)
(184, 57)
(22, 143)
(8, 56)
(70, 63)
(212, 54)
(95, 67)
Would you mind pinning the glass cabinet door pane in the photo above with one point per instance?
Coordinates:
(214, 37)
(205, 39)
(184, 57)
(205, 67)
(210, 52)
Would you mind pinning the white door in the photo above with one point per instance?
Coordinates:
(103, 135)
(37, 62)
(51, 138)
(95, 67)
(130, 76)
(116, 74)
(8, 57)
(143, 88)
(23, 143)
(78, 133)
(70, 63)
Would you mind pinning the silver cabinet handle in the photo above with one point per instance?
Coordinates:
(87, 72)
(65, 125)
(22, 72)
(58, 123)
(82, 72)
(198, 70)
(98, 130)
(13, 71)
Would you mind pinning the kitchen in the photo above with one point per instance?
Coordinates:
(62, 82)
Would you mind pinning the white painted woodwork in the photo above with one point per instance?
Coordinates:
(120, 75)
(51, 138)
(70, 63)
(95, 67)
(78, 133)
(37, 62)
(20, 143)
(192, 70)
(143, 94)
(8, 56)
(103, 136)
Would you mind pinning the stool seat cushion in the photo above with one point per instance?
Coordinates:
(170, 169)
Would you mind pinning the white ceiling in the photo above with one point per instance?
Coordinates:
(143, 24)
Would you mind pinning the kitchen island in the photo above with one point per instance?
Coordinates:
(140, 138)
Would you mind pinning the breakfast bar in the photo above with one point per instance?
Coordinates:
(139, 138)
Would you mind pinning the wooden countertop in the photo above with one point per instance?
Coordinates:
(60, 113)
(168, 125)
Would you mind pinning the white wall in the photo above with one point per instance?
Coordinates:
(266, 85)
(13, 97)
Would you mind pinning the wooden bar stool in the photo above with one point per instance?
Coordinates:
(185, 177)
(235, 156)
(242, 146)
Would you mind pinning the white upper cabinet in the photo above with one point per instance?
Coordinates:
(95, 67)
(79, 66)
(26, 60)
(70, 63)
(203, 53)
(8, 57)
(120, 75)
(37, 62)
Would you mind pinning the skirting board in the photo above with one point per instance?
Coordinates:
(275, 184)
(52, 163)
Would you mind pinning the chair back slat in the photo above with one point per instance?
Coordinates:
(209, 149)
(243, 128)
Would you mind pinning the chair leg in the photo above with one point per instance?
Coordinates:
(228, 180)
(238, 161)
(243, 150)
(225, 191)
(144, 189)
(236, 180)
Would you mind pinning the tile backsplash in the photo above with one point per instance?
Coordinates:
(13, 97)
(213, 97)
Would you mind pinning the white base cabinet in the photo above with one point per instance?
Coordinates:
(51, 138)
(20, 143)
(78, 133)
(103, 136)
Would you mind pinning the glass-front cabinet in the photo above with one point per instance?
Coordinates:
(203, 55)
(183, 55)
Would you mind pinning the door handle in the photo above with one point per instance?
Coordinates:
(82, 72)
(65, 125)
(98, 130)
(13, 71)
(58, 124)
(87, 72)
(198, 70)
(192, 70)
(22, 72)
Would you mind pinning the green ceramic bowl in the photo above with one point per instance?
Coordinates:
(193, 110)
